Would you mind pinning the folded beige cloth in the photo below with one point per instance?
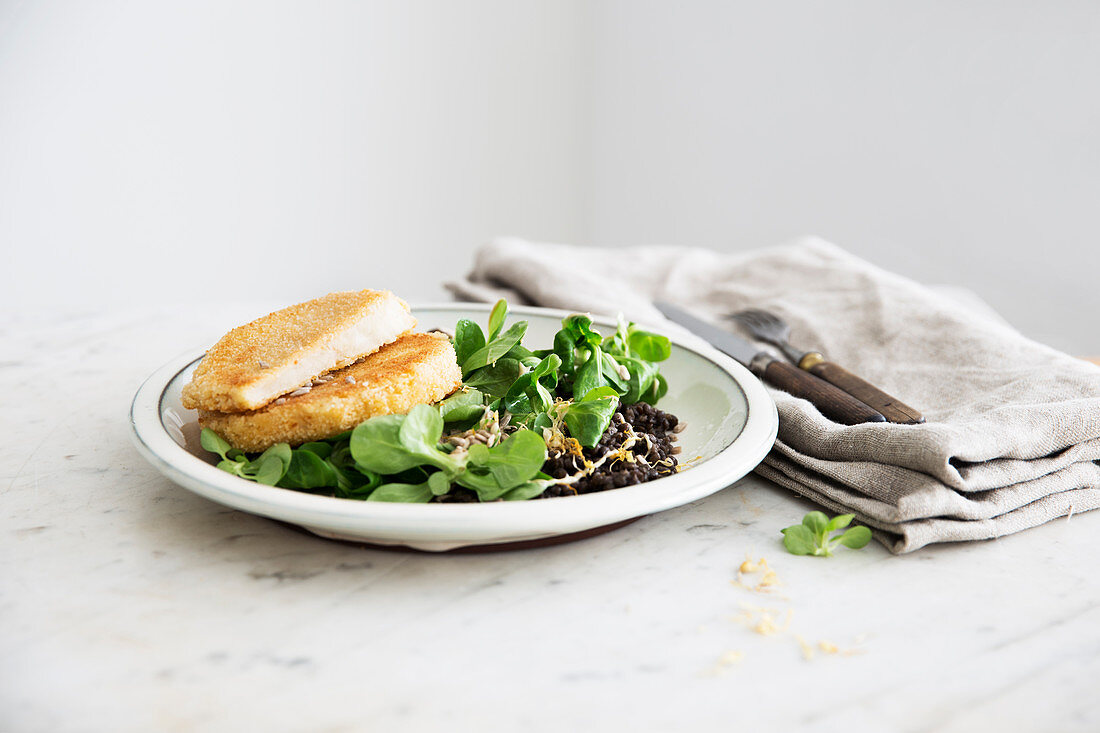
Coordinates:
(1012, 437)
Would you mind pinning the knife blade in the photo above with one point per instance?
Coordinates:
(831, 401)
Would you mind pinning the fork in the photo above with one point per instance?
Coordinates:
(770, 328)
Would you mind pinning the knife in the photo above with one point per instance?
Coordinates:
(834, 403)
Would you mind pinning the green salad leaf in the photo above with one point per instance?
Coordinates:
(492, 472)
(307, 470)
(588, 418)
(648, 346)
(812, 537)
(352, 480)
(531, 392)
(468, 339)
(407, 493)
(625, 360)
(495, 379)
(267, 468)
(464, 405)
(390, 444)
(494, 349)
(526, 491)
(215, 443)
(496, 318)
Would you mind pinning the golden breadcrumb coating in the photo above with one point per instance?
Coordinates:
(417, 368)
(274, 355)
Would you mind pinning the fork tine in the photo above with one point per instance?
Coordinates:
(746, 316)
(765, 325)
(761, 316)
(750, 318)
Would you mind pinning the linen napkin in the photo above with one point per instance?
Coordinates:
(1012, 437)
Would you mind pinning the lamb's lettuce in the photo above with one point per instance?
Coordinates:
(391, 444)
(588, 418)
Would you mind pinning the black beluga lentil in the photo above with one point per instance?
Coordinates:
(654, 451)
(654, 454)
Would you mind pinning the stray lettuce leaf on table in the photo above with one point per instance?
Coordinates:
(812, 536)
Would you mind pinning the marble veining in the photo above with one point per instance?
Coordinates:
(129, 604)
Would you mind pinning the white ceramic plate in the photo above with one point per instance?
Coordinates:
(731, 425)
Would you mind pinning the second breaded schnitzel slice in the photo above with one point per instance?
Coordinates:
(255, 363)
(416, 368)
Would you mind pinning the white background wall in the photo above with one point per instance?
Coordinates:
(233, 150)
(955, 142)
(276, 150)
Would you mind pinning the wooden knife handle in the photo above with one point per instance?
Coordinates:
(893, 409)
(833, 403)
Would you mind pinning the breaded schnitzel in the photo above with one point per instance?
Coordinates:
(416, 368)
(254, 364)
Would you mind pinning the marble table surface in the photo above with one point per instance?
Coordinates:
(129, 604)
